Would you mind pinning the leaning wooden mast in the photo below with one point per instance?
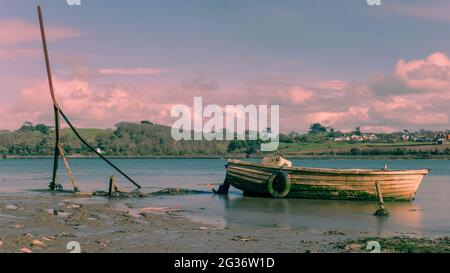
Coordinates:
(53, 184)
(59, 152)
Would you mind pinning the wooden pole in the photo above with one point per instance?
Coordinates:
(382, 211)
(53, 184)
(69, 170)
(112, 185)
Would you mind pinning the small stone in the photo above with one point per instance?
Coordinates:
(64, 214)
(37, 243)
(334, 232)
(25, 250)
(353, 247)
(12, 207)
(65, 234)
(74, 206)
(242, 238)
(202, 228)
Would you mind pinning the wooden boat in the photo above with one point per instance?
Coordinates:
(269, 180)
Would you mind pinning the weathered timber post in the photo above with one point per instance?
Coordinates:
(69, 171)
(112, 185)
(53, 184)
(382, 211)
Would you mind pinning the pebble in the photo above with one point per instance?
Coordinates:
(25, 250)
(353, 247)
(12, 207)
(64, 214)
(37, 243)
(334, 232)
(242, 238)
(74, 206)
(164, 209)
(57, 212)
(50, 211)
(202, 228)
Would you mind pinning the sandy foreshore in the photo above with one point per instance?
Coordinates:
(47, 223)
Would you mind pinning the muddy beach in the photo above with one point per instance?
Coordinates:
(42, 222)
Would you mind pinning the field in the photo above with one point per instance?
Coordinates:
(364, 148)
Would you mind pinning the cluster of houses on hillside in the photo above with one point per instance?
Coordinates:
(357, 138)
(429, 137)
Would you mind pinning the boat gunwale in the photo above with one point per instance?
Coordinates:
(331, 170)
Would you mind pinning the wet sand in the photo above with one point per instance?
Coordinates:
(47, 223)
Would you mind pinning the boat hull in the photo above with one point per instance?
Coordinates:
(318, 183)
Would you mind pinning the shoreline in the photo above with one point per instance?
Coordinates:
(309, 157)
(48, 222)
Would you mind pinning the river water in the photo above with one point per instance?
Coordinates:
(427, 215)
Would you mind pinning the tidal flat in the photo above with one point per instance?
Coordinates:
(50, 223)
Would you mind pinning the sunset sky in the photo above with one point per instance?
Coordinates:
(341, 63)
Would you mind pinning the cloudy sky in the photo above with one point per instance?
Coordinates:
(340, 63)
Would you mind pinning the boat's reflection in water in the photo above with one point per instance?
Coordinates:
(322, 214)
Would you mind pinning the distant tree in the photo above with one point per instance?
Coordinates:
(42, 128)
(316, 128)
(147, 122)
(27, 126)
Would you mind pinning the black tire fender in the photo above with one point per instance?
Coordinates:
(279, 184)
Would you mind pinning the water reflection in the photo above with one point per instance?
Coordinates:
(311, 214)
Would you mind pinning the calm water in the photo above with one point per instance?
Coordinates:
(429, 214)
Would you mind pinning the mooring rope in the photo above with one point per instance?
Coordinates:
(95, 151)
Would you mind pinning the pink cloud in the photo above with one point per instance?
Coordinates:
(414, 95)
(339, 119)
(13, 32)
(298, 95)
(12, 54)
(87, 105)
(137, 71)
(431, 74)
(334, 85)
